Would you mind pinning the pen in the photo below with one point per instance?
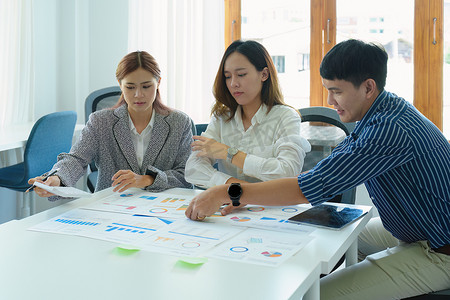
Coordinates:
(43, 179)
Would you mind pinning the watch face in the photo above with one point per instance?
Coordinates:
(232, 151)
(234, 190)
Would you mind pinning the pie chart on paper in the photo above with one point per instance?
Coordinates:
(240, 219)
(271, 254)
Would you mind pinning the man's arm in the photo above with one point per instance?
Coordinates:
(283, 191)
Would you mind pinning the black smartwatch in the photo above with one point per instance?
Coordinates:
(235, 193)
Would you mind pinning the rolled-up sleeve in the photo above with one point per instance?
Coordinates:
(200, 170)
(288, 152)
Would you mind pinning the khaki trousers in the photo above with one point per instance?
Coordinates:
(401, 270)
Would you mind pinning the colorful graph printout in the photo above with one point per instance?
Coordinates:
(189, 238)
(272, 249)
(127, 229)
(144, 203)
(156, 222)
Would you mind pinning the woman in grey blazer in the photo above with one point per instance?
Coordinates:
(139, 142)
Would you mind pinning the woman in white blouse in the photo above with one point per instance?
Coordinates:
(253, 135)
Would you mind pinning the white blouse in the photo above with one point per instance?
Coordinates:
(272, 143)
(141, 141)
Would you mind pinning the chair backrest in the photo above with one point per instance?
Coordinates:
(100, 99)
(329, 116)
(51, 135)
(200, 128)
(325, 115)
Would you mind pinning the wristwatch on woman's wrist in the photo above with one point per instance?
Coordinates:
(231, 152)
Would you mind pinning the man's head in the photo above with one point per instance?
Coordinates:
(354, 73)
(356, 61)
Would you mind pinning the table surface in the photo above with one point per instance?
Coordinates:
(38, 265)
(16, 136)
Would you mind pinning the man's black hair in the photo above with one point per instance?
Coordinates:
(356, 61)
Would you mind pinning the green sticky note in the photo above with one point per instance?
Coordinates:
(193, 260)
(126, 249)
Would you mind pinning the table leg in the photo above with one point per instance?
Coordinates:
(314, 291)
(351, 256)
(26, 205)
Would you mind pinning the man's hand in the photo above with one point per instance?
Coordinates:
(207, 203)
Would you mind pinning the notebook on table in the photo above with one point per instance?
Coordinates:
(329, 216)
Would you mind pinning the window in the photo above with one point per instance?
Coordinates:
(398, 39)
(278, 61)
(283, 28)
(302, 62)
(419, 61)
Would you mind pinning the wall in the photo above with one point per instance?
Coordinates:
(77, 46)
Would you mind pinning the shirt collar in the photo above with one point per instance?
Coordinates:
(369, 114)
(147, 128)
(259, 116)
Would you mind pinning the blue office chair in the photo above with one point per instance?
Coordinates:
(200, 128)
(50, 135)
(97, 100)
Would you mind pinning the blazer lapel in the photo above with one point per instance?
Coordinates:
(160, 132)
(122, 134)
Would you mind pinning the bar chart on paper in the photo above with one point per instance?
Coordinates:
(128, 228)
(76, 222)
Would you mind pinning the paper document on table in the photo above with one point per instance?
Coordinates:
(63, 191)
(144, 203)
(264, 247)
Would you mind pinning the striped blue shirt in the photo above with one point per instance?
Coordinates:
(403, 160)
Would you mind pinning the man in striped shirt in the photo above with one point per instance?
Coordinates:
(403, 160)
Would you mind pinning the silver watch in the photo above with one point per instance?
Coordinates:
(230, 153)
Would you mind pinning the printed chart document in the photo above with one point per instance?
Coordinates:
(264, 247)
(156, 222)
(264, 217)
(63, 191)
(144, 203)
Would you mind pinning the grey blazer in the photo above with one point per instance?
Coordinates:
(106, 140)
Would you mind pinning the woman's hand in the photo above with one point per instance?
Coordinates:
(51, 181)
(207, 147)
(125, 179)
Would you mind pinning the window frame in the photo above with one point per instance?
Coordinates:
(428, 50)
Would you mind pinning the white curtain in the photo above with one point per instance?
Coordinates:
(16, 69)
(16, 62)
(186, 37)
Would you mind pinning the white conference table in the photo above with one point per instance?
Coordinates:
(37, 265)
